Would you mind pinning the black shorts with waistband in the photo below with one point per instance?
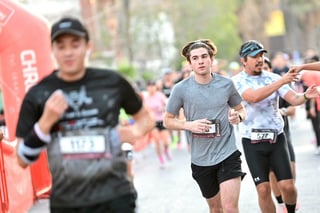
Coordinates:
(159, 125)
(210, 177)
(265, 156)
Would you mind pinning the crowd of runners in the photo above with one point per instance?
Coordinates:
(74, 114)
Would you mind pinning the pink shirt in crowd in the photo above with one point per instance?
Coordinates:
(157, 104)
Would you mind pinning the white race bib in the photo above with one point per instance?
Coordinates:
(82, 144)
(263, 135)
(213, 132)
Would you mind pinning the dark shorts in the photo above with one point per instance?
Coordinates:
(125, 203)
(210, 177)
(263, 157)
(159, 125)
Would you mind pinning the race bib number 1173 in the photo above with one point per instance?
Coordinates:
(82, 144)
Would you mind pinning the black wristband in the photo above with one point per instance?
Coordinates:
(33, 141)
(33, 144)
(28, 155)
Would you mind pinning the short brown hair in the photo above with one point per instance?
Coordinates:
(205, 43)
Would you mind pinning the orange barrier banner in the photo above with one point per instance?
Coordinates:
(3, 184)
(18, 182)
(25, 58)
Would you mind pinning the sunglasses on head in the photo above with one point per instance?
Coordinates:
(251, 47)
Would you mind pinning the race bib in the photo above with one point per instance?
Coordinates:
(88, 144)
(263, 135)
(82, 144)
(213, 132)
(84, 154)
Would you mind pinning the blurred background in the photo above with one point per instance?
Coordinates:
(140, 37)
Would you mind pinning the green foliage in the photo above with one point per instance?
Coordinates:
(151, 26)
(216, 20)
(127, 69)
(147, 75)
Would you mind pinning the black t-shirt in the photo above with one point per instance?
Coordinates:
(94, 103)
(97, 98)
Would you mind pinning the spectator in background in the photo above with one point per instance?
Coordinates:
(309, 53)
(216, 68)
(234, 68)
(157, 101)
(280, 63)
(185, 72)
(312, 106)
(165, 85)
(167, 81)
(285, 110)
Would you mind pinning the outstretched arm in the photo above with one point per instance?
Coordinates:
(295, 98)
(256, 95)
(308, 66)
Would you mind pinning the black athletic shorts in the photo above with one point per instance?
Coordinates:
(210, 177)
(265, 156)
(159, 125)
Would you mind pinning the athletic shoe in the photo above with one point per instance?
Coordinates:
(281, 208)
(161, 160)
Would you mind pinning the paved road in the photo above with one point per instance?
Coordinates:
(172, 189)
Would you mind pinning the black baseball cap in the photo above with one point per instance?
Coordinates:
(69, 25)
(251, 48)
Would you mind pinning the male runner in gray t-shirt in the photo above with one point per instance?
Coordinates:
(211, 105)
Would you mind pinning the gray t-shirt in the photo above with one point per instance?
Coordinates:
(263, 114)
(211, 101)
